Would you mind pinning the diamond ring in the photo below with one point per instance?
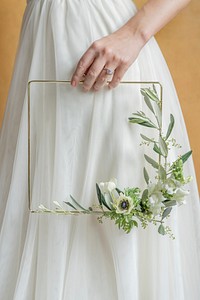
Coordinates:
(108, 71)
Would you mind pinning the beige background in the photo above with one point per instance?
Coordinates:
(179, 41)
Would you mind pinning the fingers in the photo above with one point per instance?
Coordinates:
(118, 75)
(82, 67)
(93, 73)
(105, 75)
(97, 65)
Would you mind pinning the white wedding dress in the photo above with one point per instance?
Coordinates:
(78, 141)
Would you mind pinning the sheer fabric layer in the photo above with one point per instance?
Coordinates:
(59, 257)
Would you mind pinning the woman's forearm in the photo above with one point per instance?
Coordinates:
(154, 15)
(120, 49)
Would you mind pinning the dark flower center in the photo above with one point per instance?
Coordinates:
(124, 204)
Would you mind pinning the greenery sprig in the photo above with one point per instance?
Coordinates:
(131, 206)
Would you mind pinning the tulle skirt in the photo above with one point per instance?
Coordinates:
(80, 139)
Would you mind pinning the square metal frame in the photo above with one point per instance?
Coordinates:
(29, 123)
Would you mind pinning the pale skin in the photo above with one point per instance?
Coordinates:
(120, 49)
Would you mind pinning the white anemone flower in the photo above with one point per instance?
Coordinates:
(123, 204)
(108, 187)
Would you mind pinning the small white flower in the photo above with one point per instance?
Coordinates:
(169, 186)
(188, 179)
(155, 198)
(123, 204)
(154, 187)
(155, 201)
(179, 196)
(108, 187)
(174, 188)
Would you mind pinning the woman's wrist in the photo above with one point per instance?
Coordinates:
(136, 29)
(152, 17)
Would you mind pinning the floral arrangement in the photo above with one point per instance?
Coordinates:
(154, 204)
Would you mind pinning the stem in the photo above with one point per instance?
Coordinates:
(166, 165)
(157, 221)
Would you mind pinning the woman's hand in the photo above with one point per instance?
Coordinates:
(117, 51)
(111, 54)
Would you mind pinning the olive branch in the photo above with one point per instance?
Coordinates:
(131, 206)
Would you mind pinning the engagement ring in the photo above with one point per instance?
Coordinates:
(108, 71)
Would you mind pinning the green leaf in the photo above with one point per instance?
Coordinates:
(147, 124)
(142, 121)
(146, 176)
(150, 94)
(119, 191)
(99, 194)
(148, 103)
(161, 229)
(157, 149)
(170, 127)
(101, 197)
(163, 147)
(108, 202)
(145, 195)
(158, 114)
(155, 91)
(143, 91)
(151, 161)
(104, 203)
(162, 173)
(68, 203)
(168, 203)
(185, 156)
(78, 204)
(146, 138)
(166, 212)
(135, 223)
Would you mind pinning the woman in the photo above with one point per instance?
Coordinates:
(59, 257)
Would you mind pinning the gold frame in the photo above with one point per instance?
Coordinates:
(29, 128)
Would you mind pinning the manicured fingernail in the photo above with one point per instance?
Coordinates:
(73, 83)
